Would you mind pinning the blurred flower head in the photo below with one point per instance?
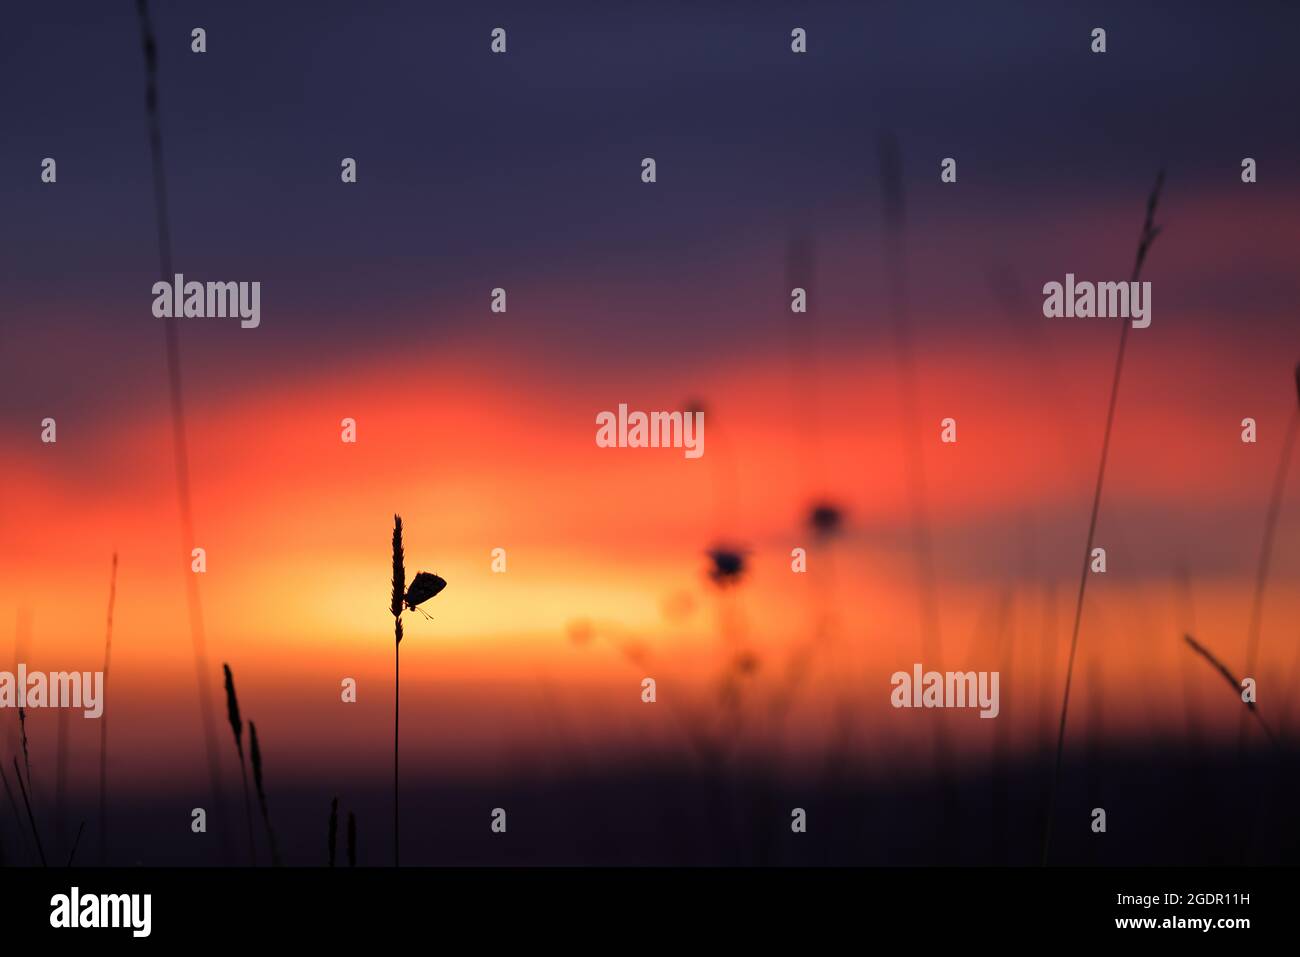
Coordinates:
(580, 631)
(677, 607)
(825, 519)
(746, 663)
(727, 565)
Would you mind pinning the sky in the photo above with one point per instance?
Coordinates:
(522, 171)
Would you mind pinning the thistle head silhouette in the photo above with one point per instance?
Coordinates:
(728, 566)
(825, 519)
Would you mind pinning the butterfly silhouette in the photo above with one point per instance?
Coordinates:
(423, 587)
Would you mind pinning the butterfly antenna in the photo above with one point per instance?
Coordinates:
(410, 607)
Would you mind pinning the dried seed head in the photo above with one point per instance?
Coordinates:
(825, 519)
(728, 566)
(232, 709)
(399, 570)
(257, 760)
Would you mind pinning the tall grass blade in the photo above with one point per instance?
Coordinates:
(27, 758)
(256, 756)
(18, 816)
(893, 212)
(399, 592)
(1148, 236)
(1266, 546)
(334, 829)
(31, 818)
(176, 394)
(1228, 676)
(75, 844)
(103, 720)
(237, 728)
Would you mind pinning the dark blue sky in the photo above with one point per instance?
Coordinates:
(522, 170)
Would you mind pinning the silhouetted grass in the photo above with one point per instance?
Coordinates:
(802, 348)
(103, 720)
(1266, 546)
(893, 213)
(31, 818)
(333, 829)
(13, 803)
(27, 759)
(256, 755)
(75, 844)
(352, 839)
(1228, 676)
(176, 395)
(424, 586)
(60, 772)
(237, 727)
(1149, 233)
(399, 593)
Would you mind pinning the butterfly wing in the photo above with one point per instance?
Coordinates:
(423, 587)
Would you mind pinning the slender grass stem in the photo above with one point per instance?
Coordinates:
(13, 803)
(237, 729)
(176, 396)
(333, 830)
(1149, 233)
(1231, 679)
(103, 721)
(352, 839)
(76, 844)
(1266, 551)
(398, 601)
(31, 818)
(255, 753)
